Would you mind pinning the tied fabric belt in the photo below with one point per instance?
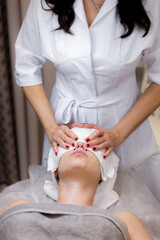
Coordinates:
(72, 110)
(69, 110)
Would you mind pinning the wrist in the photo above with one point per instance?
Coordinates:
(119, 134)
(50, 130)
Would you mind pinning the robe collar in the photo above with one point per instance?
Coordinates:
(106, 7)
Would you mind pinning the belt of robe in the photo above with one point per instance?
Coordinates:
(69, 109)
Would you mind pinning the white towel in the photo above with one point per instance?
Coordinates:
(105, 195)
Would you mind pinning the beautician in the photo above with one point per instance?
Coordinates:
(96, 46)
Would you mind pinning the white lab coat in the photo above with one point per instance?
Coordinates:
(95, 78)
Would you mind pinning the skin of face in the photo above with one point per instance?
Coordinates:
(79, 166)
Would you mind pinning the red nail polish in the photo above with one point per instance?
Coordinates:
(67, 147)
(73, 145)
(94, 148)
(104, 157)
(76, 138)
(56, 153)
(87, 139)
(88, 145)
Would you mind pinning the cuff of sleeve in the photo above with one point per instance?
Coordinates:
(30, 80)
(154, 77)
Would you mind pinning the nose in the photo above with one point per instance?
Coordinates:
(80, 145)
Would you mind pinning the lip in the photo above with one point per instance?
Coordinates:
(79, 153)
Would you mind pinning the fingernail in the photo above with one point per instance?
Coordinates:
(56, 153)
(94, 148)
(104, 157)
(73, 145)
(88, 145)
(67, 147)
(76, 138)
(87, 139)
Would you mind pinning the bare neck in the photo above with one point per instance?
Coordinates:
(76, 194)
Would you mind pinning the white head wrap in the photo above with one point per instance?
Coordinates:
(105, 195)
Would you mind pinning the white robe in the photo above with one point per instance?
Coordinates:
(95, 78)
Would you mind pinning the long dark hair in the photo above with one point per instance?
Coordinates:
(131, 13)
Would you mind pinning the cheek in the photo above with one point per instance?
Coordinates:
(63, 163)
(97, 173)
(95, 166)
(62, 170)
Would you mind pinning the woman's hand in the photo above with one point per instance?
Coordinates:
(63, 136)
(103, 138)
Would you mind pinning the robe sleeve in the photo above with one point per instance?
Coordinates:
(151, 55)
(29, 59)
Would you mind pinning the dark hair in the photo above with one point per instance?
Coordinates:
(131, 13)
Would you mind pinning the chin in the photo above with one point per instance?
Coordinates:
(78, 162)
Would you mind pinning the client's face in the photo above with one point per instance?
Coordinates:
(79, 165)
